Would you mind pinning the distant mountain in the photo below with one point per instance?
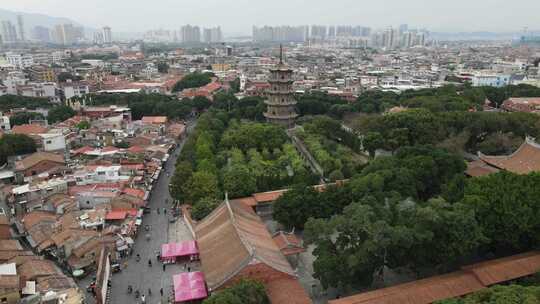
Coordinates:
(31, 20)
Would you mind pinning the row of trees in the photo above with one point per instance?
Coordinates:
(335, 150)
(22, 118)
(455, 131)
(193, 80)
(153, 104)
(238, 158)
(415, 211)
(443, 99)
(55, 114)
(9, 102)
(511, 294)
(320, 103)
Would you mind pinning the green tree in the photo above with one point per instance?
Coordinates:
(182, 175)
(511, 294)
(202, 185)
(24, 117)
(201, 103)
(83, 125)
(294, 207)
(372, 141)
(235, 85)
(60, 113)
(10, 102)
(193, 80)
(243, 292)
(204, 207)
(507, 208)
(238, 181)
(163, 67)
(15, 144)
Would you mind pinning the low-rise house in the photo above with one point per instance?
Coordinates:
(30, 197)
(5, 230)
(29, 129)
(9, 289)
(92, 199)
(53, 142)
(176, 131)
(38, 163)
(39, 226)
(93, 174)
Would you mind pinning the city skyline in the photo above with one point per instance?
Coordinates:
(239, 16)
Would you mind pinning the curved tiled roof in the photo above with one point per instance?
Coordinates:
(232, 237)
(524, 160)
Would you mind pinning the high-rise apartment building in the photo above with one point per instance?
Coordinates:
(107, 35)
(390, 38)
(41, 33)
(67, 34)
(20, 28)
(212, 35)
(98, 38)
(318, 32)
(9, 33)
(283, 33)
(403, 28)
(332, 32)
(190, 34)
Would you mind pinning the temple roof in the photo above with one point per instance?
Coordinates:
(524, 160)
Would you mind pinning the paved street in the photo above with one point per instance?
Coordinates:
(139, 274)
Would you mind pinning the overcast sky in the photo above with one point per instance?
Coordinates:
(237, 16)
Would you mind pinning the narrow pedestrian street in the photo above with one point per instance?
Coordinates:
(140, 275)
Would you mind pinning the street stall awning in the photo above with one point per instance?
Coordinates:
(173, 250)
(189, 286)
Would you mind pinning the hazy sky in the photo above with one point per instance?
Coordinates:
(237, 16)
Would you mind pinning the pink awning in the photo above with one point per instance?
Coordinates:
(172, 250)
(189, 286)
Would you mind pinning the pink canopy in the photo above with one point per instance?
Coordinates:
(172, 250)
(189, 286)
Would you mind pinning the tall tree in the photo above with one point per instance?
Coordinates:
(60, 113)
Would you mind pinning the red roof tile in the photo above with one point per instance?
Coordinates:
(28, 129)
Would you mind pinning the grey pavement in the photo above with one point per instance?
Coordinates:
(139, 274)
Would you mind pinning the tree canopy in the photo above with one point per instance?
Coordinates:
(193, 80)
(9, 102)
(15, 144)
(22, 118)
(243, 292)
(60, 113)
(511, 294)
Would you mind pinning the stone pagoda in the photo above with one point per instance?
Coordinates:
(281, 103)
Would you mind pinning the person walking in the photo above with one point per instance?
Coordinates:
(164, 265)
(161, 291)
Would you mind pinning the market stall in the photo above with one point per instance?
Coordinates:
(189, 286)
(173, 252)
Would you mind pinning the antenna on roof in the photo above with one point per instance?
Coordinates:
(280, 53)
